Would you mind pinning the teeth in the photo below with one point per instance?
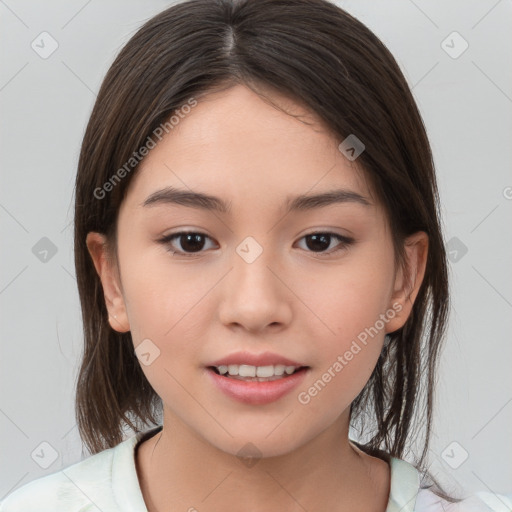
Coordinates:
(279, 369)
(246, 370)
(265, 371)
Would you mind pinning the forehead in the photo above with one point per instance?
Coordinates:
(236, 144)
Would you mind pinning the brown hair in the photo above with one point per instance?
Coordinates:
(318, 54)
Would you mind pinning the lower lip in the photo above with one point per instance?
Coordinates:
(255, 392)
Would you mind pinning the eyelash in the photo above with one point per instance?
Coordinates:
(345, 242)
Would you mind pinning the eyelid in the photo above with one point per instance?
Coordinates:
(344, 242)
(167, 239)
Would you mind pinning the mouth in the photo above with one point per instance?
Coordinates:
(250, 373)
(256, 385)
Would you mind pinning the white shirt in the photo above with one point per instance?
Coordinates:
(107, 482)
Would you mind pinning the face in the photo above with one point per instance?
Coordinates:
(258, 283)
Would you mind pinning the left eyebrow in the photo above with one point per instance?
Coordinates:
(171, 195)
(327, 198)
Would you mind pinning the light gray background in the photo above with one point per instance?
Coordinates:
(466, 103)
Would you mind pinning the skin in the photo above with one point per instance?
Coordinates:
(291, 301)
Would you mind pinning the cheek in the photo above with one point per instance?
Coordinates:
(344, 361)
(156, 294)
(166, 304)
(346, 300)
(347, 327)
(165, 312)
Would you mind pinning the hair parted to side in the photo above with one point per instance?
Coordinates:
(317, 54)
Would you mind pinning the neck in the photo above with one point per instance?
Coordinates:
(178, 470)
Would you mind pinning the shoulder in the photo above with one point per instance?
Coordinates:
(481, 501)
(82, 487)
(407, 495)
(104, 481)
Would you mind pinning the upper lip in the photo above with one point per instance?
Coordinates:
(263, 359)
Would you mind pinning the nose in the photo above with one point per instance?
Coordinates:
(255, 295)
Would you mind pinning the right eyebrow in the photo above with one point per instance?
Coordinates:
(171, 195)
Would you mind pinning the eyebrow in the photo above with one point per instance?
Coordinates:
(199, 200)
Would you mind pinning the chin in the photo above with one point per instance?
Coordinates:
(253, 444)
(250, 450)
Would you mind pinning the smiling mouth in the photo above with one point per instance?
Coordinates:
(249, 373)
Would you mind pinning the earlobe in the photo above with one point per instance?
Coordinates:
(408, 280)
(105, 267)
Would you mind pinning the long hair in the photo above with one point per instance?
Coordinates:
(319, 55)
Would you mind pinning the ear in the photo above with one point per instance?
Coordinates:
(408, 281)
(107, 271)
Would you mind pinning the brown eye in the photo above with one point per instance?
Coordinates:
(320, 242)
(187, 242)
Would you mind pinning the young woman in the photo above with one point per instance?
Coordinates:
(261, 268)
